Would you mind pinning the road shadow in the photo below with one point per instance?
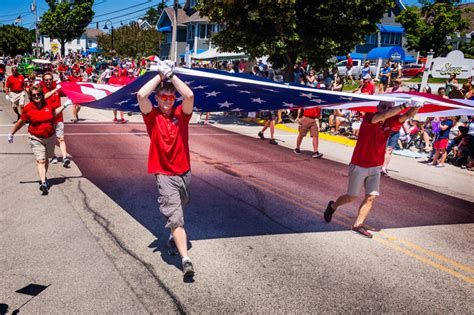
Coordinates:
(242, 188)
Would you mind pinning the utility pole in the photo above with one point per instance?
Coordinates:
(174, 36)
(34, 9)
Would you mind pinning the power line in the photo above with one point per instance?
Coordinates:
(119, 16)
(133, 6)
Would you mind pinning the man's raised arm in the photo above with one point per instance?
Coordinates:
(145, 91)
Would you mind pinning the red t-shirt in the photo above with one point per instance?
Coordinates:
(89, 70)
(349, 63)
(314, 112)
(370, 148)
(15, 83)
(54, 101)
(128, 80)
(169, 147)
(72, 78)
(368, 88)
(40, 120)
(62, 68)
(397, 125)
(116, 81)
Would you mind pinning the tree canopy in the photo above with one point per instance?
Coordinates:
(293, 29)
(15, 39)
(66, 21)
(430, 26)
(131, 41)
(152, 15)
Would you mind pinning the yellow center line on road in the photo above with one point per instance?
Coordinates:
(385, 238)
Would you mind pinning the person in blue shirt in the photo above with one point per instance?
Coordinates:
(441, 142)
(384, 77)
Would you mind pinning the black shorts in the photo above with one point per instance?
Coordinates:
(269, 115)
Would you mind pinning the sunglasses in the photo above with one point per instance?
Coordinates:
(37, 95)
(165, 98)
(48, 79)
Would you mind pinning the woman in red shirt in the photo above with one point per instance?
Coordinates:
(40, 116)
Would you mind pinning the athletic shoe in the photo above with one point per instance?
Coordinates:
(260, 134)
(66, 162)
(317, 155)
(297, 151)
(272, 141)
(384, 173)
(123, 120)
(439, 165)
(362, 230)
(188, 269)
(44, 188)
(329, 212)
(115, 120)
(371, 228)
(54, 160)
(172, 249)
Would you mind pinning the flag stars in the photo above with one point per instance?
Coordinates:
(213, 93)
(200, 87)
(308, 95)
(257, 100)
(232, 85)
(288, 104)
(246, 92)
(225, 104)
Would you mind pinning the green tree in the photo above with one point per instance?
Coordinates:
(428, 27)
(132, 41)
(67, 20)
(15, 40)
(468, 49)
(152, 15)
(292, 29)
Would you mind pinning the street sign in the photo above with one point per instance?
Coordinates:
(54, 47)
(455, 63)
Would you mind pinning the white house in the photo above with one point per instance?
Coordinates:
(81, 44)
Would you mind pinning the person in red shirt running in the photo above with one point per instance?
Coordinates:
(75, 77)
(309, 122)
(54, 100)
(367, 159)
(14, 91)
(40, 116)
(117, 80)
(168, 156)
(3, 71)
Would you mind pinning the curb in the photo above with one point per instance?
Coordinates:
(325, 136)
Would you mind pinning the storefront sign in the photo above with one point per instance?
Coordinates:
(453, 63)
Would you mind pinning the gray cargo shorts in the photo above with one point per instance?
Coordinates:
(174, 195)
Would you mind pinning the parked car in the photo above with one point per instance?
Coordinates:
(358, 64)
(413, 70)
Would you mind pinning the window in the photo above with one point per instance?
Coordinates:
(191, 31)
(391, 39)
(202, 31)
(168, 38)
(371, 39)
(78, 41)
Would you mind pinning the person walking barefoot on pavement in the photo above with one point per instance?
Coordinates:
(368, 158)
(168, 156)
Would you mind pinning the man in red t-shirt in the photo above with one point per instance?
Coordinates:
(349, 66)
(367, 86)
(75, 77)
(14, 91)
(117, 80)
(309, 122)
(53, 94)
(367, 159)
(168, 156)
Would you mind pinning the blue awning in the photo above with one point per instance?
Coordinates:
(192, 50)
(410, 59)
(353, 56)
(165, 29)
(395, 53)
(390, 28)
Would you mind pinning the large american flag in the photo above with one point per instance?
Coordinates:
(217, 91)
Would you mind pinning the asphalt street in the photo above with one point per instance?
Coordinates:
(257, 236)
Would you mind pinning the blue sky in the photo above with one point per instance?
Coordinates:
(104, 9)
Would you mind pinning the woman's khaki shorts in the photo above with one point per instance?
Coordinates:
(367, 177)
(59, 129)
(174, 195)
(43, 148)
